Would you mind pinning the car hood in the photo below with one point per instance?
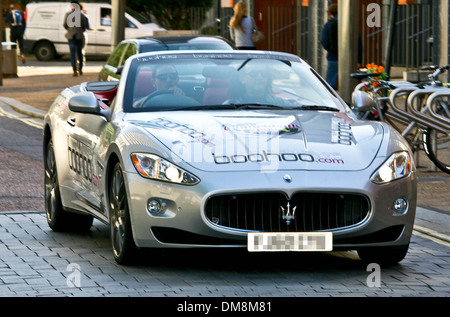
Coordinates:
(153, 27)
(264, 140)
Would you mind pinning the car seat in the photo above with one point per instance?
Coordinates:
(144, 84)
(218, 81)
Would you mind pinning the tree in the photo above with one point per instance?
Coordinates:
(169, 14)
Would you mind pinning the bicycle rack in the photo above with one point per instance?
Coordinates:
(441, 124)
(431, 102)
(421, 119)
(401, 119)
(397, 113)
(424, 117)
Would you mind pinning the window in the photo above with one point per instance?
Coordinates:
(105, 14)
(114, 59)
(131, 50)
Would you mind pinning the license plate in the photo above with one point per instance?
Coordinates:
(289, 241)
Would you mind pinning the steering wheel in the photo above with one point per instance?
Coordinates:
(146, 102)
(160, 92)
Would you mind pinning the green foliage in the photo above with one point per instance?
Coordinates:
(169, 14)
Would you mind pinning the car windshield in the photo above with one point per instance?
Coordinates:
(138, 16)
(214, 44)
(220, 81)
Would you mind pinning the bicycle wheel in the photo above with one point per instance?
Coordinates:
(437, 148)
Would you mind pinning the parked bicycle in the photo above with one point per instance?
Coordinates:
(423, 118)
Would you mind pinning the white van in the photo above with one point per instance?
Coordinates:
(44, 33)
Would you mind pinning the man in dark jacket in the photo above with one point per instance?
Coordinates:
(76, 23)
(330, 44)
(17, 26)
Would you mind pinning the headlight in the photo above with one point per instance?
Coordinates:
(155, 167)
(397, 166)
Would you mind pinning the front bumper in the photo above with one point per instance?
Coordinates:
(185, 223)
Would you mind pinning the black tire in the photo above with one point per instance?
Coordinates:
(57, 218)
(437, 148)
(44, 51)
(124, 248)
(384, 256)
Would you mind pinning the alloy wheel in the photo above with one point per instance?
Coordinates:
(119, 207)
(51, 184)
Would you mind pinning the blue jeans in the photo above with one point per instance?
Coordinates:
(76, 54)
(332, 73)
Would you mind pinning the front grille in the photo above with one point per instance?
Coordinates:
(262, 212)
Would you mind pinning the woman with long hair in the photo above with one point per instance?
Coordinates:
(241, 27)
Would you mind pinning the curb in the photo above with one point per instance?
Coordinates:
(22, 108)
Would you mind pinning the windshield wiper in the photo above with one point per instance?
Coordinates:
(269, 106)
(239, 106)
(318, 107)
(256, 106)
(201, 107)
(232, 106)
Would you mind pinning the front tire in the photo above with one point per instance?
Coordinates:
(57, 218)
(124, 248)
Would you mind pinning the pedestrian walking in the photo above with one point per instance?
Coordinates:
(76, 23)
(241, 28)
(85, 37)
(17, 26)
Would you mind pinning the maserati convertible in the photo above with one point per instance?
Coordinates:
(214, 149)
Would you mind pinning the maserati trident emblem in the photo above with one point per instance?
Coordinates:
(287, 214)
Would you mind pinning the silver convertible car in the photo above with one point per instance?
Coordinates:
(204, 149)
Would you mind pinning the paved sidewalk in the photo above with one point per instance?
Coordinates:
(39, 83)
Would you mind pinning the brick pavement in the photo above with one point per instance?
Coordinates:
(35, 261)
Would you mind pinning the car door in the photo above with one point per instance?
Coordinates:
(85, 148)
(104, 31)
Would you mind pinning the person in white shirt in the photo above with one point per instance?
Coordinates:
(241, 27)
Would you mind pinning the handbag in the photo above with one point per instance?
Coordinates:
(257, 35)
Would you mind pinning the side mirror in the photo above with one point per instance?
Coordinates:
(86, 103)
(362, 101)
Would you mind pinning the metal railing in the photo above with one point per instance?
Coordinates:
(290, 28)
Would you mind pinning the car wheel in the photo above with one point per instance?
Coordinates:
(384, 256)
(57, 218)
(123, 245)
(44, 51)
